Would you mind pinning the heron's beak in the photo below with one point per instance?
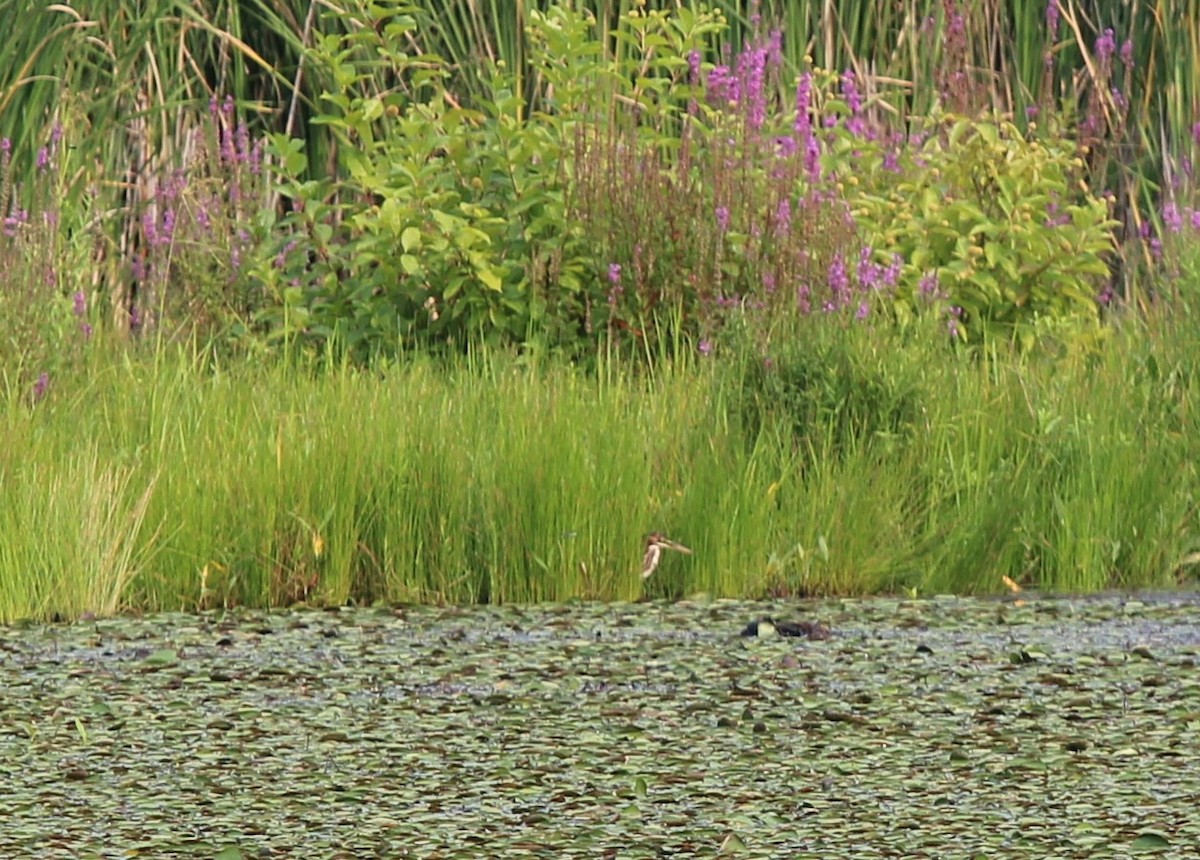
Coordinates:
(678, 547)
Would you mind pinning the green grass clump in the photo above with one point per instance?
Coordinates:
(893, 464)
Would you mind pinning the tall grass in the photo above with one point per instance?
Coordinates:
(503, 480)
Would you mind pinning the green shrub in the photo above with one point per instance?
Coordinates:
(1001, 221)
(446, 227)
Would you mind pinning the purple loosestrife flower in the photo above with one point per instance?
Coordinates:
(79, 303)
(891, 275)
(242, 143)
(812, 158)
(955, 314)
(775, 49)
(803, 124)
(281, 257)
(1105, 296)
(43, 158)
(752, 67)
(1032, 111)
(1055, 218)
(5, 145)
(1053, 14)
(1172, 220)
(705, 347)
(783, 217)
(722, 87)
(1127, 53)
(839, 282)
(1106, 45)
(804, 299)
(41, 386)
(167, 233)
(1195, 219)
(228, 151)
(868, 272)
(693, 79)
(958, 24)
(928, 285)
(614, 279)
(864, 310)
(202, 216)
(856, 125)
(723, 218)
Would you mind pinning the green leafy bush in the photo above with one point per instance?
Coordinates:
(447, 226)
(1000, 221)
(655, 193)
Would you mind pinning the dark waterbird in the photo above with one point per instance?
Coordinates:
(767, 626)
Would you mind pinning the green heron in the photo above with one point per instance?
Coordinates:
(766, 625)
(656, 542)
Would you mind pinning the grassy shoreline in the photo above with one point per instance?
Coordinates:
(846, 465)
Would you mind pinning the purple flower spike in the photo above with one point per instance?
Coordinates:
(41, 386)
(783, 217)
(1172, 220)
(1106, 45)
(803, 124)
(856, 125)
(1053, 14)
(614, 273)
(723, 218)
(79, 303)
(839, 282)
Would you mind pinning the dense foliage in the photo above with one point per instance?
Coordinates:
(856, 332)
